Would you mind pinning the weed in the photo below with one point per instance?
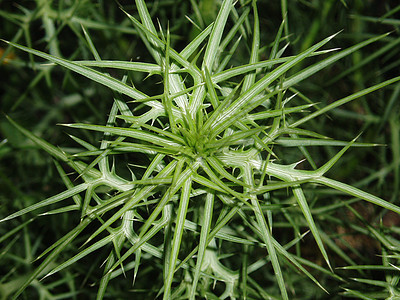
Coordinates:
(193, 181)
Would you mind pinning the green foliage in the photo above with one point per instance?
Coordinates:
(202, 179)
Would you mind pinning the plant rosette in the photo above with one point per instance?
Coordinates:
(206, 148)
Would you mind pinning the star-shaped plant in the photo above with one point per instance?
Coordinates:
(206, 150)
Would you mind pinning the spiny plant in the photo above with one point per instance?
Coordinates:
(206, 174)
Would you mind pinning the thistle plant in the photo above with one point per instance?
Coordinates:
(207, 179)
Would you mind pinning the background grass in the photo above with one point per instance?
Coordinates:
(40, 97)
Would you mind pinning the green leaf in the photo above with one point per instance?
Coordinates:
(140, 195)
(236, 138)
(351, 190)
(267, 236)
(262, 84)
(345, 100)
(101, 78)
(218, 166)
(250, 78)
(177, 239)
(216, 34)
(295, 142)
(51, 200)
(49, 148)
(99, 244)
(66, 240)
(203, 243)
(305, 73)
(122, 65)
(129, 132)
(279, 185)
(301, 200)
(243, 69)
